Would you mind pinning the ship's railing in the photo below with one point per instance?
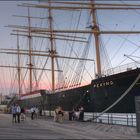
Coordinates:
(122, 68)
(128, 119)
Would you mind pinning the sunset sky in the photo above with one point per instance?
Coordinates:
(115, 45)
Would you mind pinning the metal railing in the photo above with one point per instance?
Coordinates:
(112, 118)
(127, 119)
(122, 68)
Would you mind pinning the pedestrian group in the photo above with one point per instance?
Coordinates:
(16, 111)
(19, 114)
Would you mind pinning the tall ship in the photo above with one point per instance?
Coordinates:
(78, 55)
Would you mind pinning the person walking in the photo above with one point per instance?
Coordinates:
(23, 117)
(32, 112)
(18, 111)
(13, 111)
(58, 114)
(36, 112)
(81, 115)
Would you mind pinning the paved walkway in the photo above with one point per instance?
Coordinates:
(47, 129)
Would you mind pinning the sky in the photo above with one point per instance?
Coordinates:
(114, 45)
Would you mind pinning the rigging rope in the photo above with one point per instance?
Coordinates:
(71, 73)
(131, 42)
(24, 79)
(106, 62)
(13, 83)
(81, 64)
(129, 54)
(122, 43)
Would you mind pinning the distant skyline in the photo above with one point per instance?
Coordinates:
(114, 45)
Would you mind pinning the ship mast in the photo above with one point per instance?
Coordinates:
(30, 50)
(96, 31)
(18, 68)
(52, 51)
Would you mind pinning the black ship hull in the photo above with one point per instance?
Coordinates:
(106, 91)
(96, 97)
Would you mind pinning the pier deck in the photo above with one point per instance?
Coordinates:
(48, 129)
